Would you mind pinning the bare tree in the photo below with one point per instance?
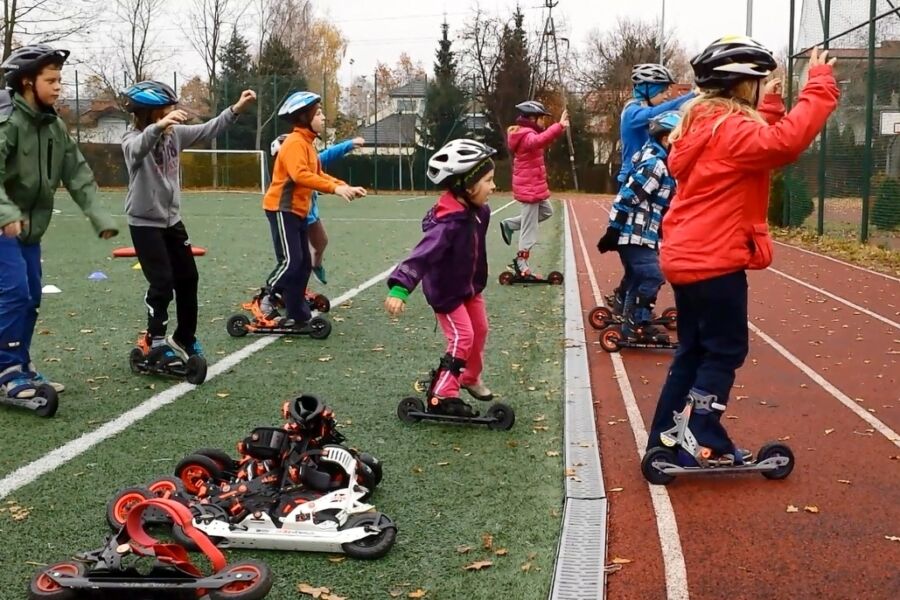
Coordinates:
(205, 32)
(45, 20)
(482, 38)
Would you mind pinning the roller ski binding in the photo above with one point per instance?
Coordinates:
(681, 454)
(17, 389)
(602, 317)
(133, 564)
(522, 273)
(500, 417)
(266, 320)
(162, 360)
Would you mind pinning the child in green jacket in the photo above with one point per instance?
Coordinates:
(36, 155)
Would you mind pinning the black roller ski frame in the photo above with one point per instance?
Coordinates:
(612, 340)
(193, 370)
(499, 417)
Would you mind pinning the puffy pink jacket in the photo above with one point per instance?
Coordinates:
(527, 141)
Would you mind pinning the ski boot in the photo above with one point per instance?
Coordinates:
(453, 410)
(681, 453)
(267, 320)
(522, 273)
(162, 360)
(602, 317)
(18, 389)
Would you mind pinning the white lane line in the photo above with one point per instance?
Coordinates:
(669, 539)
(838, 261)
(818, 290)
(413, 198)
(56, 458)
(826, 385)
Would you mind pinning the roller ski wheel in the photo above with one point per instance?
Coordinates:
(410, 409)
(319, 328)
(44, 586)
(193, 370)
(166, 487)
(502, 417)
(613, 340)
(319, 302)
(776, 453)
(223, 460)
(119, 507)
(251, 580)
(195, 470)
(237, 325)
(601, 317)
(555, 278)
(512, 278)
(668, 319)
(506, 278)
(44, 403)
(650, 465)
(383, 533)
(374, 465)
(610, 340)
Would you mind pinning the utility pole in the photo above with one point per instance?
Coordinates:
(662, 33)
(749, 18)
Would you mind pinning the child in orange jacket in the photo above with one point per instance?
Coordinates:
(296, 175)
(722, 154)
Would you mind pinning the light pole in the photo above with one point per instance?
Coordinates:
(662, 33)
(368, 97)
(400, 149)
(750, 18)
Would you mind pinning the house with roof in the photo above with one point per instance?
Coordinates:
(394, 129)
(94, 121)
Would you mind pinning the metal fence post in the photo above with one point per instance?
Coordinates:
(823, 136)
(786, 203)
(375, 79)
(77, 111)
(870, 109)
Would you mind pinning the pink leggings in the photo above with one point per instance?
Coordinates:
(466, 329)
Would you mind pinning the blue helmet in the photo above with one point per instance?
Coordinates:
(664, 123)
(149, 94)
(297, 102)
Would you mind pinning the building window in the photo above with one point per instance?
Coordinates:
(406, 105)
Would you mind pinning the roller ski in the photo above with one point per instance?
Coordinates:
(133, 564)
(163, 360)
(317, 302)
(682, 454)
(644, 336)
(266, 320)
(602, 317)
(500, 417)
(522, 273)
(18, 389)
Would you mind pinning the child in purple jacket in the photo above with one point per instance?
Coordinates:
(451, 263)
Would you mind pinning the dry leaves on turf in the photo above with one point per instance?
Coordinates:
(487, 541)
(222, 394)
(501, 552)
(463, 549)
(621, 561)
(325, 358)
(319, 593)
(552, 453)
(792, 509)
(419, 593)
(811, 509)
(478, 565)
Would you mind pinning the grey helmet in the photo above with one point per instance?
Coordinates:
(532, 107)
(457, 157)
(29, 60)
(651, 73)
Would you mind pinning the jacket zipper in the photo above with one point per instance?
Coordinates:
(474, 255)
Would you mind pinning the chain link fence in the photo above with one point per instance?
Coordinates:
(848, 182)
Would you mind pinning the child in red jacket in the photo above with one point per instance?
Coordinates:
(527, 140)
(715, 229)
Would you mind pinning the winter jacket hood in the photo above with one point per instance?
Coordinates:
(450, 260)
(36, 156)
(527, 142)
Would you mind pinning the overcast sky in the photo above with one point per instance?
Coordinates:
(379, 30)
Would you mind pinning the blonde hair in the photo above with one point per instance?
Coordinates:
(733, 101)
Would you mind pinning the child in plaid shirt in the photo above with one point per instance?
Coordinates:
(634, 227)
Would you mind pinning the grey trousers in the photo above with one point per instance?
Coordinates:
(527, 222)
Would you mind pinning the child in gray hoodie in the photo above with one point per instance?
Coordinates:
(153, 207)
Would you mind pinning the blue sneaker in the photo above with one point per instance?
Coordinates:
(14, 383)
(38, 379)
(185, 351)
(319, 274)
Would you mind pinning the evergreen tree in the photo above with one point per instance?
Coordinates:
(278, 75)
(445, 102)
(512, 82)
(235, 77)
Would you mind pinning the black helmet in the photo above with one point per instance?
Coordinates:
(149, 94)
(730, 60)
(28, 60)
(532, 107)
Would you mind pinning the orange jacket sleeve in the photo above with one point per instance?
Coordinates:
(304, 170)
(754, 146)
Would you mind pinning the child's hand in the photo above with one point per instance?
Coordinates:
(173, 118)
(394, 306)
(12, 229)
(247, 98)
(109, 233)
(773, 86)
(816, 59)
(564, 119)
(349, 193)
(359, 142)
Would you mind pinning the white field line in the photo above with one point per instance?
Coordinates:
(413, 198)
(56, 458)
(667, 526)
(826, 385)
(838, 261)
(818, 290)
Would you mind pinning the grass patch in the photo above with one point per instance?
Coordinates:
(445, 486)
(844, 246)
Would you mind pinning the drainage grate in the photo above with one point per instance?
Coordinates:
(582, 552)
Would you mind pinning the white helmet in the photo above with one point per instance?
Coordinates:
(651, 73)
(457, 157)
(276, 144)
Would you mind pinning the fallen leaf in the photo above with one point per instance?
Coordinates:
(222, 394)
(487, 541)
(792, 509)
(584, 445)
(336, 559)
(395, 593)
(463, 549)
(87, 331)
(892, 538)
(315, 592)
(612, 568)
(478, 565)
(829, 431)
(616, 489)
(539, 418)
(526, 567)
(784, 439)
(443, 464)
(621, 561)
(501, 552)
(419, 593)
(811, 509)
(570, 472)
(531, 388)
(552, 453)
(325, 358)
(845, 481)
(417, 470)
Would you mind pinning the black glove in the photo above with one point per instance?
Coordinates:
(609, 241)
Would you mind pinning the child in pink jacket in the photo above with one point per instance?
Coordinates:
(527, 140)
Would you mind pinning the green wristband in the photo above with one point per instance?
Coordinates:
(398, 291)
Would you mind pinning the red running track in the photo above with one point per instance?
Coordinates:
(821, 376)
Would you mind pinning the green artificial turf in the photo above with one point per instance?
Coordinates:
(446, 487)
